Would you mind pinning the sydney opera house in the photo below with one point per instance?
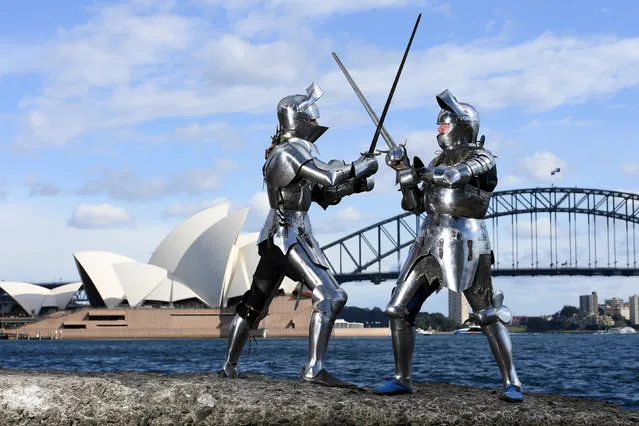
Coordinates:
(188, 288)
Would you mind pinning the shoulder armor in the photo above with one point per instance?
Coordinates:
(284, 163)
(480, 161)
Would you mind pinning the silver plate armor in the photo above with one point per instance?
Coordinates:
(291, 173)
(451, 241)
(295, 113)
(456, 243)
(462, 118)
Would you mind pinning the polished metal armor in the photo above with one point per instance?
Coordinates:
(296, 112)
(454, 191)
(294, 179)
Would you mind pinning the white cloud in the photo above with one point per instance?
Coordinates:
(40, 188)
(259, 203)
(99, 216)
(349, 214)
(510, 181)
(187, 210)
(48, 239)
(539, 165)
(132, 64)
(199, 180)
(126, 185)
(566, 121)
(347, 218)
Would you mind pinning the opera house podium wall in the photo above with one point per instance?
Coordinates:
(149, 323)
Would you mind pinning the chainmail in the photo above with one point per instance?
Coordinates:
(480, 293)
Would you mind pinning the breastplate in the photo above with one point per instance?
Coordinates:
(466, 201)
(294, 196)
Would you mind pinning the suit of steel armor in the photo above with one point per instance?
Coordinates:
(452, 248)
(295, 178)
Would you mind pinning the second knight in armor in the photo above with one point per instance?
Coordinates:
(452, 248)
(295, 178)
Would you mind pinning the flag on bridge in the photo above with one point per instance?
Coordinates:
(555, 171)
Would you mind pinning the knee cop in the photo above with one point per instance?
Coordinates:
(397, 310)
(493, 313)
(329, 301)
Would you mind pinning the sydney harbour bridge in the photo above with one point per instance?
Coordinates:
(533, 232)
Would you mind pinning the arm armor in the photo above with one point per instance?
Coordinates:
(460, 174)
(336, 172)
(332, 195)
(411, 194)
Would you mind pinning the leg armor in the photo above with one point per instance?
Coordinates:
(406, 301)
(253, 306)
(493, 316)
(328, 300)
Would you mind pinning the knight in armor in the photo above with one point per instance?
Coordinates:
(452, 248)
(295, 178)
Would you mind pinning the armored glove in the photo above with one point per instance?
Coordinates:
(397, 158)
(363, 184)
(364, 167)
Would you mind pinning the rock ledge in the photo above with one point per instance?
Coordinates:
(62, 398)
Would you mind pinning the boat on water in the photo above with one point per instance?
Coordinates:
(473, 329)
(618, 330)
(423, 332)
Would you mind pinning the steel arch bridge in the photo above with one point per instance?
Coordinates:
(542, 231)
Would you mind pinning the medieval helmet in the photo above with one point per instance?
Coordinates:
(296, 113)
(462, 118)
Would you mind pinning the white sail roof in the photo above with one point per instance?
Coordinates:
(204, 264)
(142, 282)
(64, 293)
(29, 296)
(98, 265)
(174, 246)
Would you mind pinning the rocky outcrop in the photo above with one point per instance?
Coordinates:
(60, 398)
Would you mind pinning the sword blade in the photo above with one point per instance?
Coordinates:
(387, 137)
(390, 95)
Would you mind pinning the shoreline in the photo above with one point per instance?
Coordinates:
(56, 398)
(380, 332)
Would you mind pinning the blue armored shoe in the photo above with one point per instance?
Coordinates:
(392, 387)
(513, 394)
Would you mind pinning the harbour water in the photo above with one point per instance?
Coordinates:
(598, 366)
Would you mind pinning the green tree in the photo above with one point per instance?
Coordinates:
(568, 311)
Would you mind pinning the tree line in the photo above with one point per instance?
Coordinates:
(377, 318)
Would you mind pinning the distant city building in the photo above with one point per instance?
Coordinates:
(634, 309)
(340, 323)
(457, 307)
(588, 304)
(616, 306)
(614, 302)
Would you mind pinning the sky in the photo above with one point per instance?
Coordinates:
(118, 120)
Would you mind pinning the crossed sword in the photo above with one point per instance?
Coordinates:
(379, 122)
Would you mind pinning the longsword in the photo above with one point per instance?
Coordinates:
(371, 150)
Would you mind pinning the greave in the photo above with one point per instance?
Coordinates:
(239, 332)
(320, 330)
(500, 345)
(403, 337)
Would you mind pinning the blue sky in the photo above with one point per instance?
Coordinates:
(120, 119)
